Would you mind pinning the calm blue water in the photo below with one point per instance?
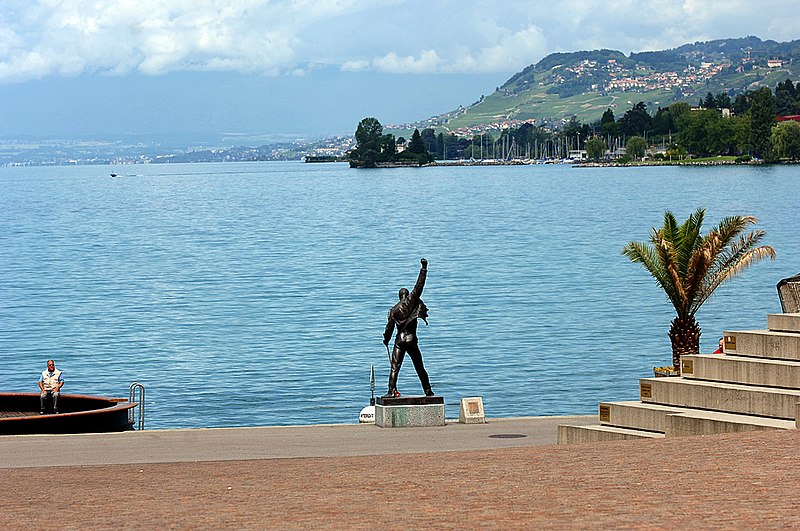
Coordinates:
(256, 293)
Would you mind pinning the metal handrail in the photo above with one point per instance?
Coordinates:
(131, 412)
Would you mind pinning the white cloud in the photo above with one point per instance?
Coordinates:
(513, 50)
(356, 66)
(39, 38)
(428, 61)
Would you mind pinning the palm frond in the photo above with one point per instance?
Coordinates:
(645, 254)
(688, 239)
(732, 261)
(700, 262)
(732, 227)
(670, 228)
(688, 266)
(668, 257)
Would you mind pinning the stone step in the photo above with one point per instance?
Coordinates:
(679, 421)
(710, 422)
(718, 396)
(742, 370)
(784, 322)
(763, 344)
(636, 415)
(597, 433)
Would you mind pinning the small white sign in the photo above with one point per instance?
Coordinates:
(367, 415)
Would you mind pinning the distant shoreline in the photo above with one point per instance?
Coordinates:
(671, 163)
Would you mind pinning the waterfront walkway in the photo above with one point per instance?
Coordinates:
(364, 477)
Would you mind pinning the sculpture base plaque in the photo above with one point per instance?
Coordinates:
(409, 412)
(472, 411)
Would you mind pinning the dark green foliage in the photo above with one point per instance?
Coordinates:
(596, 148)
(788, 87)
(636, 147)
(373, 147)
(707, 132)
(762, 118)
(785, 140)
(453, 147)
(555, 59)
(369, 130)
(608, 126)
(663, 123)
(388, 147)
(636, 121)
(369, 135)
(787, 98)
(415, 145)
(430, 141)
(719, 101)
(722, 101)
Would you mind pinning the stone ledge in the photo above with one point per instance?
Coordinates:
(771, 344)
(742, 370)
(597, 433)
(784, 322)
(389, 414)
(719, 396)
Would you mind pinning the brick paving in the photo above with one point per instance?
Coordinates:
(736, 481)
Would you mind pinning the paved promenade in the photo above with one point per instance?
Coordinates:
(364, 477)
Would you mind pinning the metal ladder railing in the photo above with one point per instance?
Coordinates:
(136, 386)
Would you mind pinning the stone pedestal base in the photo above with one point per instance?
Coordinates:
(409, 412)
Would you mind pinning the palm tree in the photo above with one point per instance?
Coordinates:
(689, 267)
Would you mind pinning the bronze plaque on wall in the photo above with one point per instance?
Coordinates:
(645, 390)
(730, 343)
(605, 413)
(687, 366)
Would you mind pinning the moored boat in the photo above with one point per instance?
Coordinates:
(19, 414)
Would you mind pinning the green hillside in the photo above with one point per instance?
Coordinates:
(584, 84)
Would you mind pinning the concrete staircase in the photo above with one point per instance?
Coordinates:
(754, 385)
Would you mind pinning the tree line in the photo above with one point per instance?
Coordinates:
(745, 126)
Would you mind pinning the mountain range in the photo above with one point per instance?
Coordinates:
(584, 84)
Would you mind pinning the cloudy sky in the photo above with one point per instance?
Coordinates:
(175, 67)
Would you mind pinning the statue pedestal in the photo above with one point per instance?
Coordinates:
(409, 412)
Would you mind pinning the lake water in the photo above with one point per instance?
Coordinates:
(256, 293)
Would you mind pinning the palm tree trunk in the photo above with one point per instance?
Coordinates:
(684, 333)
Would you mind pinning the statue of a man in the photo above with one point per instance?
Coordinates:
(403, 316)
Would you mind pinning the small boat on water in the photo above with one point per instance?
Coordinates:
(19, 414)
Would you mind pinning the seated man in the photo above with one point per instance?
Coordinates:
(721, 349)
(50, 382)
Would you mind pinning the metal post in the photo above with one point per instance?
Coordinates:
(136, 386)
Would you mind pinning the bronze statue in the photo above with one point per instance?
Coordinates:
(403, 316)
